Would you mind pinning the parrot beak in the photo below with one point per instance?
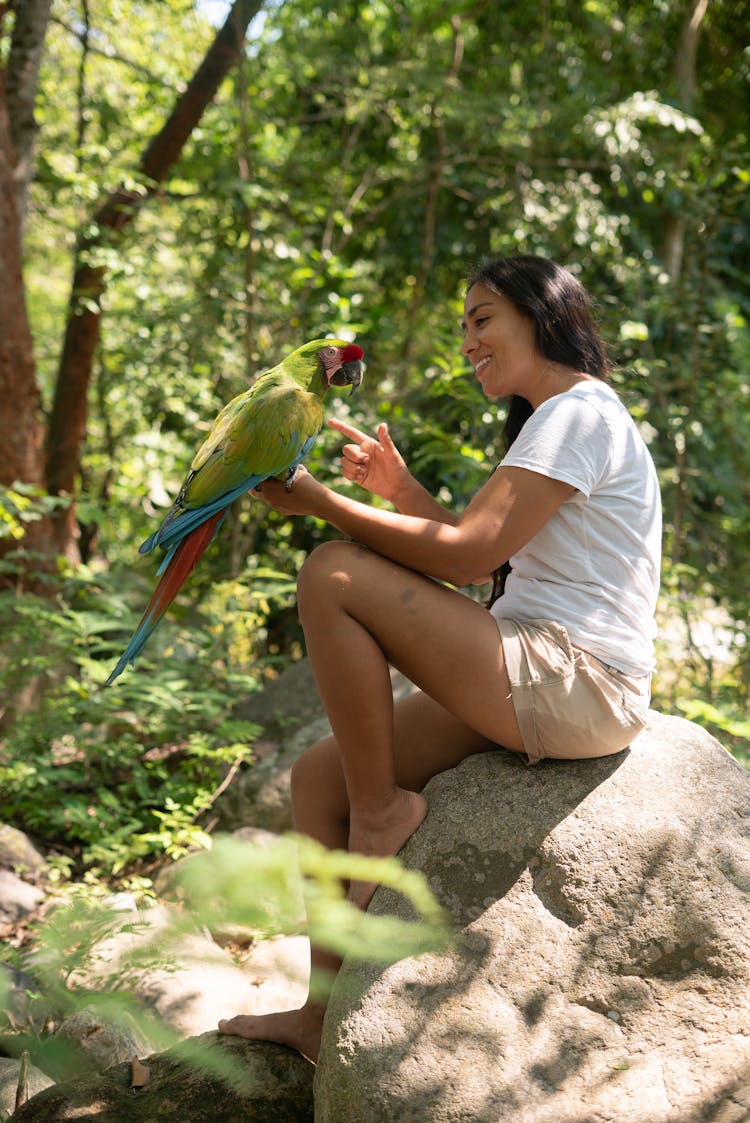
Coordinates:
(348, 374)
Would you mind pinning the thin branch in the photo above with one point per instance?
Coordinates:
(108, 53)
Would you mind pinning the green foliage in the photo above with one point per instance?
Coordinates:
(348, 172)
(120, 775)
(22, 504)
(216, 884)
(236, 885)
(728, 725)
(359, 159)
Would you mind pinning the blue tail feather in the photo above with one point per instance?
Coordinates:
(171, 532)
(176, 526)
(134, 648)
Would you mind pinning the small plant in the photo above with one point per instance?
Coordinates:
(237, 884)
(114, 776)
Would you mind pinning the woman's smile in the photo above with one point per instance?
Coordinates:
(499, 342)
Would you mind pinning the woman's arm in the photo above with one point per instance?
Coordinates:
(376, 464)
(510, 509)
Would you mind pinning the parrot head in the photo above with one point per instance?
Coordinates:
(338, 361)
(342, 363)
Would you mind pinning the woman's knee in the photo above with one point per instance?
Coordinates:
(326, 571)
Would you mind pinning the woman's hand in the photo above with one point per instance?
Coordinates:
(303, 498)
(373, 462)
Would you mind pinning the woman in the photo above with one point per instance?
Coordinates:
(558, 667)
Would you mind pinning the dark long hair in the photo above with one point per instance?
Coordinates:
(564, 329)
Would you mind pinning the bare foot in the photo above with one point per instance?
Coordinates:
(383, 835)
(302, 1029)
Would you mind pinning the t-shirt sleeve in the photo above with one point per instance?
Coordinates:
(566, 439)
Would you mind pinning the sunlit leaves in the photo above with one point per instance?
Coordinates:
(300, 207)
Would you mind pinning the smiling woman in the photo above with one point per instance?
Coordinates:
(559, 667)
(500, 342)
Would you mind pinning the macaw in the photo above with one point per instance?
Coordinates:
(266, 431)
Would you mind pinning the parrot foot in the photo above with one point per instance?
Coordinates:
(291, 476)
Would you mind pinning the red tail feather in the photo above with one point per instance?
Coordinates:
(181, 565)
(186, 557)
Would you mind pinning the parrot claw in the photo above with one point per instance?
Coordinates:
(291, 476)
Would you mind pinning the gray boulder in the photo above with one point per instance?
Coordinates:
(178, 972)
(268, 1084)
(10, 1067)
(89, 1042)
(602, 964)
(17, 853)
(17, 898)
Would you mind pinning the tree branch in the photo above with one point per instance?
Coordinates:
(110, 55)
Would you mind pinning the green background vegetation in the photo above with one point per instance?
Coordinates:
(357, 161)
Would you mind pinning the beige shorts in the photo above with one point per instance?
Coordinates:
(568, 703)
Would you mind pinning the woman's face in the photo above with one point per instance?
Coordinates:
(499, 342)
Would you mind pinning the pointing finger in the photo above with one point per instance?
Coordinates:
(348, 430)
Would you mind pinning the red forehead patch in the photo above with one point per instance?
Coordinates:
(352, 352)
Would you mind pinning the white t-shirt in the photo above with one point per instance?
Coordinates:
(594, 566)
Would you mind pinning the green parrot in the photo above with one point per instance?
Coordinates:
(264, 432)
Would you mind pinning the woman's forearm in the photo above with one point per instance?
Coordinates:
(502, 517)
(415, 500)
(416, 540)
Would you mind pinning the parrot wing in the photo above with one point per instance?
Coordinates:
(263, 432)
(254, 437)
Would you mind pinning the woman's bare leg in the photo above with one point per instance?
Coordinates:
(361, 612)
(361, 787)
(427, 740)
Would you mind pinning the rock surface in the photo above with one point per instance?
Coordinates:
(602, 970)
(36, 1081)
(17, 898)
(600, 974)
(94, 1043)
(200, 982)
(18, 853)
(274, 1085)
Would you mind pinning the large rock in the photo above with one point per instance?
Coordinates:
(88, 1041)
(10, 1067)
(602, 967)
(178, 972)
(270, 1084)
(17, 898)
(18, 853)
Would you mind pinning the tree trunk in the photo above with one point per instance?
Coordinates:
(673, 241)
(67, 425)
(24, 59)
(19, 392)
(20, 416)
